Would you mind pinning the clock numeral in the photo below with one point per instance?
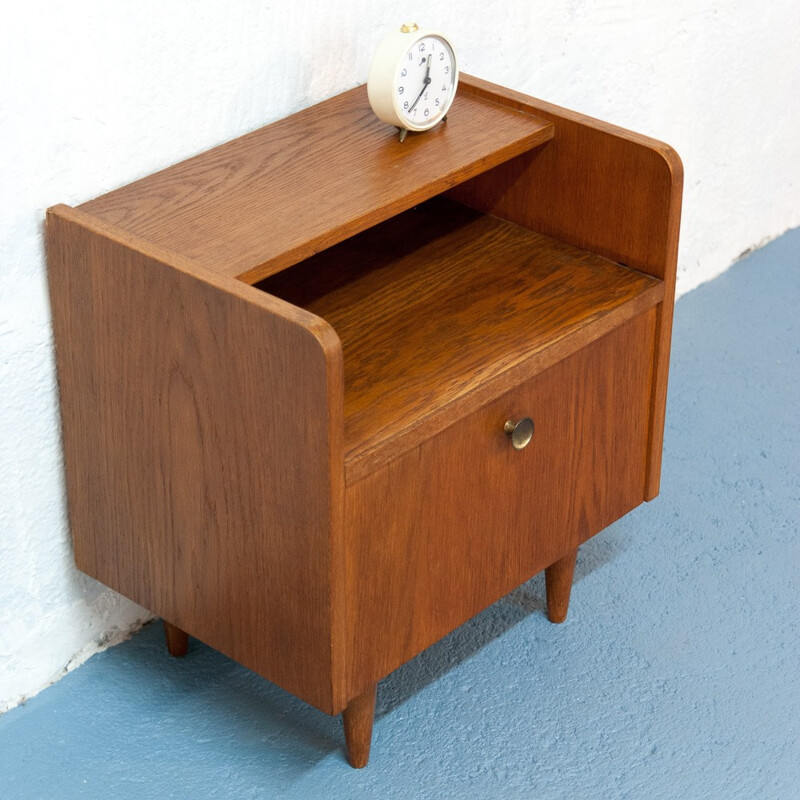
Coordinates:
(422, 47)
(404, 73)
(447, 70)
(437, 102)
(427, 111)
(410, 57)
(444, 87)
(401, 90)
(405, 105)
(441, 56)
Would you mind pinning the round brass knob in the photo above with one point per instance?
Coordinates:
(520, 432)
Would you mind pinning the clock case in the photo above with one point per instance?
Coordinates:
(381, 82)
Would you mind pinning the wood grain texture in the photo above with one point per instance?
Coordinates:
(202, 435)
(558, 585)
(443, 308)
(453, 525)
(358, 719)
(601, 188)
(253, 206)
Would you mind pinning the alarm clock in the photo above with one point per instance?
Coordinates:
(413, 78)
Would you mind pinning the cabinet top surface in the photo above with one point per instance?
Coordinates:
(262, 202)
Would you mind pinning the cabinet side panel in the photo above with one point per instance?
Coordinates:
(602, 188)
(595, 185)
(450, 527)
(199, 426)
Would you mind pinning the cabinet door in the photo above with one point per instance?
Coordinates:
(449, 527)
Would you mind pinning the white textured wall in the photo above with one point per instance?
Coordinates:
(96, 94)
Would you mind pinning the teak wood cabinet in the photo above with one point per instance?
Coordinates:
(290, 368)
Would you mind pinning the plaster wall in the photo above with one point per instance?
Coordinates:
(94, 95)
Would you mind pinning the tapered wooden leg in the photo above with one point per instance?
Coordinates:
(558, 580)
(357, 719)
(177, 640)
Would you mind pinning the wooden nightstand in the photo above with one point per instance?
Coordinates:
(291, 368)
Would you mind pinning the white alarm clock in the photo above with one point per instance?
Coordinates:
(413, 78)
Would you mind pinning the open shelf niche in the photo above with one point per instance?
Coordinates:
(442, 300)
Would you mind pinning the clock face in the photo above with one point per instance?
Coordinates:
(425, 82)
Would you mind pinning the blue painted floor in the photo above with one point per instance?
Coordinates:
(677, 674)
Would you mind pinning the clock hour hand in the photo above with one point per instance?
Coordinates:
(424, 85)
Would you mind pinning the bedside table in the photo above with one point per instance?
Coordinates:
(326, 395)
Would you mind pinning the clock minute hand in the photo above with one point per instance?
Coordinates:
(424, 84)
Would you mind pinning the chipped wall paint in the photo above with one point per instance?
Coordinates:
(95, 95)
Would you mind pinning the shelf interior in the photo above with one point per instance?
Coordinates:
(440, 300)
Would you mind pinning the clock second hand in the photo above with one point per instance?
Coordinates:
(424, 84)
